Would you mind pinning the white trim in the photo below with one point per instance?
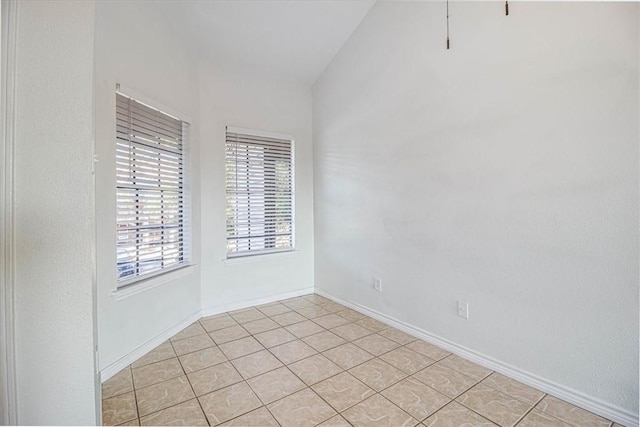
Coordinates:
(142, 285)
(592, 404)
(258, 132)
(126, 360)
(257, 301)
(260, 257)
(145, 348)
(8, 384)
(152, 103)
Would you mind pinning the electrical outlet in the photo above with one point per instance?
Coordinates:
(463, 309)
(377, 284)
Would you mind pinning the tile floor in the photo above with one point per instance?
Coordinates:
(309, 361)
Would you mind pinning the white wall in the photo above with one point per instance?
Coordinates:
(503, 172)
(134, 48)
(54, 213)
(249, 99)
(137, 48)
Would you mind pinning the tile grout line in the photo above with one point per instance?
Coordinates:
(519, 420)
(191, 385)
(349, 321)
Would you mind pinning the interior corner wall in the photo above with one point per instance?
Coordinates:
(54, 213)
(135, 49)
(250, 99)
(502, 172)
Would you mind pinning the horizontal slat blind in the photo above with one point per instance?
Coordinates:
(151, 211)
(260, 202)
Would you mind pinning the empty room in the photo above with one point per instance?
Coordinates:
(320, 213)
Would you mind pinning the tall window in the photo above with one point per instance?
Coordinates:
(151, 214)
(260, 202)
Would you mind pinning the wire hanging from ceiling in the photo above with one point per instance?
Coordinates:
(506, 7)
(447, 24)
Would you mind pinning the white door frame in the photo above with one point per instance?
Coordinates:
(8, 404)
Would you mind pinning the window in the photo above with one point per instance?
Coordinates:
(260, 202)
(151, 213)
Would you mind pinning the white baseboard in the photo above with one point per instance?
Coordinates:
(128, 359)
(257, 301)
(597, 406)
(145, 348)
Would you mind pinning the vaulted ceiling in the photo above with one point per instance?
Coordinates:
(295, 39)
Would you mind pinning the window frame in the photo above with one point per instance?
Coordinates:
(141, 282)
(263, 253)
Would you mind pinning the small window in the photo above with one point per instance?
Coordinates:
(151, 212)
(260, 189)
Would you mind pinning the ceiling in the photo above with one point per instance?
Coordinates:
(295, 39)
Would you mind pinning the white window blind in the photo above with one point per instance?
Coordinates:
(260, 189)
(151, 214)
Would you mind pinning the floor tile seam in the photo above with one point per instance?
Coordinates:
(314, 392)
(421, 383)
(476, 381)
(135, 401)
(309, 387)
(564, 421)
(193, 351)
(378, 355)
(457, 395)
(486, 417)
(470, 410)
(308, 320)
(207, 367)
(244, 413)
(218, 329)
(261, 373)
(160, 382)
(246, 354)
(133, 379)
(334, 408)
(155, 361)
(294, 323)
(464, 373)
(176, 404)
(514, 397)
(375, 357)
(288, 311)
(186, 377)
(185, 338)
(122, 392)
(263, 406)
(266, 330)
(119, 394)
(330, 348)
(194, 391)
(349, 340)
(509, 395)
(528, 411)
(166, 407)
(409, 376)
(166, 379)
(387, 399)
(299, 360)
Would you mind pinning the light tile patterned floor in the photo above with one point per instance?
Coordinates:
(309, 361)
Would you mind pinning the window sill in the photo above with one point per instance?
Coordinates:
(260, 258)
(152, 282)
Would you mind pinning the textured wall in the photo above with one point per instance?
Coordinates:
(249, 99)
(156, 60)
(503, 172)
(54, 213)
(136, 49)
